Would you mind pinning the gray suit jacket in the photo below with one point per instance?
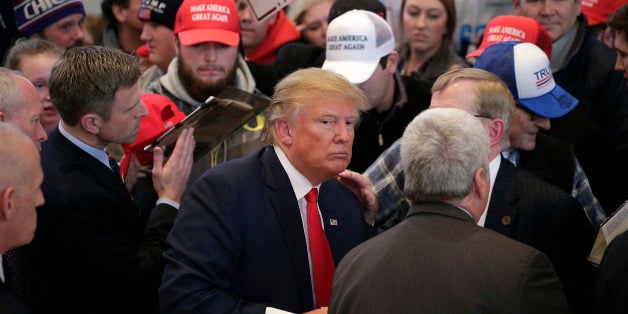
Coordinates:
(439, 261)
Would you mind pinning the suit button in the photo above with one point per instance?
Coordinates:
(506, 220)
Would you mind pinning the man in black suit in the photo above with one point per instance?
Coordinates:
(243, 240)
(20, 193)
(611, 290)
(521, 206)
(438, 260)
(94, 251)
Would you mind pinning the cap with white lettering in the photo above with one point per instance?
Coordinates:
(526, 70)
(33, 16)
(356, 41)
(208, 21)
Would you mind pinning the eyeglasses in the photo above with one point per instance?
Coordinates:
(481, 116)
(533, 116)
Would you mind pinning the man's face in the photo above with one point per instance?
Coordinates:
(207, 68)
(556, 16)
(124, 122)
(132, 15)
(29, 114)
(375, 87)
(621, 46)
(161, 44)
(320, 139)
(36, 68)
(67, 32)
(27, 197)
(525, 126)
(253, 33)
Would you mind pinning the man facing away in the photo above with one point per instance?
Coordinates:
(20, 193)
(438, 260)
(264, 232)
(94, 251)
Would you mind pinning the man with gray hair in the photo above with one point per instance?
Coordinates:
(19, 104)
(444, 153)
(20, 193)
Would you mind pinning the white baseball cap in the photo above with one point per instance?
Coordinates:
(356, 41)
(524, 67)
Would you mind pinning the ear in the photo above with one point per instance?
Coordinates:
(284, 132)
(607, 36)
(393, 61)
(496, 130)
(6, 203)
(121, 14)
(515, 4)
(91, 123)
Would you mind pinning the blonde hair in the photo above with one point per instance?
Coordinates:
(304, 88)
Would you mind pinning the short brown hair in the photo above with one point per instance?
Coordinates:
(86, 79)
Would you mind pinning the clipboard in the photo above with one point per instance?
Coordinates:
(262, 9)
(613, 226)
(213, 121)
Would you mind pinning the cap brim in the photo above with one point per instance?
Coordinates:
(201, 35)
(476, 53)
(554, 104)
(354, 71)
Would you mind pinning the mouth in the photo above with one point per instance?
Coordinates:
(50, 110)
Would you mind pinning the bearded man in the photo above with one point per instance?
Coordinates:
(207, 36)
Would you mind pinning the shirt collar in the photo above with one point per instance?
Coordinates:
(300, 184)
(99, 154)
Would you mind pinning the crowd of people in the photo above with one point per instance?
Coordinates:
(413, 156)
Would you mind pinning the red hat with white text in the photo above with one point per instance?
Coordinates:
(208, 21)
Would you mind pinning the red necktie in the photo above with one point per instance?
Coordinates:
(322, 260)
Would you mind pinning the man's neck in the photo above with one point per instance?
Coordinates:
(128, 38)
(84, 136)
(387, 100)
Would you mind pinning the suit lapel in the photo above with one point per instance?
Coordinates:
(502, 210)
(94, 169)
(287, 211)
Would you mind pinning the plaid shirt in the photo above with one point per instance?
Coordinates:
(386, 174)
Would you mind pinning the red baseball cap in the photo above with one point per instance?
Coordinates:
(514, 28)
(202, 21)
(162, 115)
(597, 11)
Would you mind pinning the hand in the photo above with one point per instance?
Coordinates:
(132, 173)
(361, 186)
(170, 180)
(322, 310)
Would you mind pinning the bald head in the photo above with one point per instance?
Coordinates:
(20, 179)
(20, 104)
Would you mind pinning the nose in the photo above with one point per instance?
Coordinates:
(39, 199)
(421, 20)
(244, 13)
(79, 34)
(619, 65)
(210, 52)
(145, 35)
(344, 133)
(547, 7)
(543, 123)
(143, 111)
(41, 133)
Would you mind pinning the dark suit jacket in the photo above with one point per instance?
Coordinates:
(552, 160)
(92, 251)
(527, 209)
(9, 303)
(439, 261)
(611, 290)
(238, 243)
